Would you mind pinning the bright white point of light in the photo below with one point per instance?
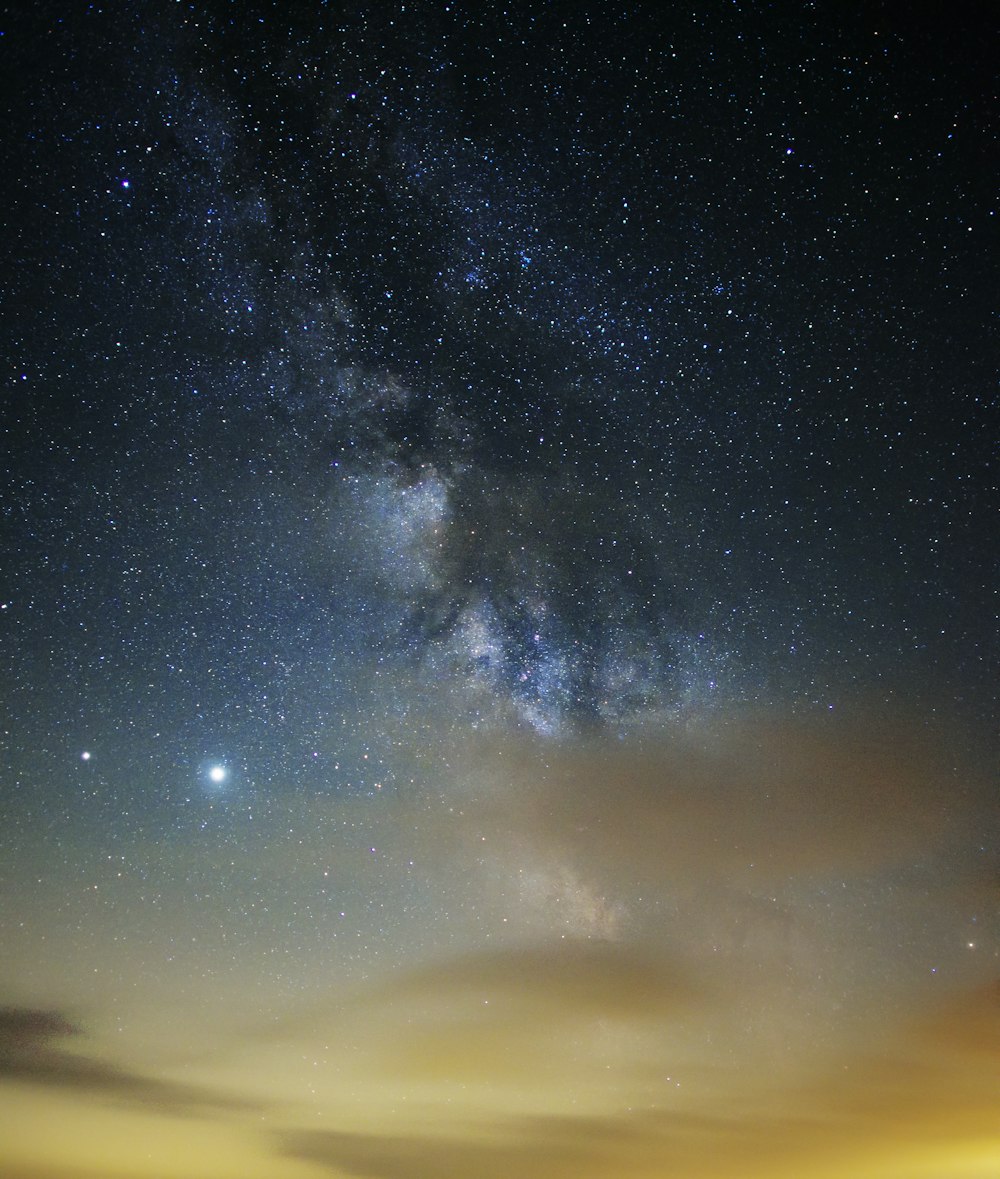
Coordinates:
(218, 773)
(85, 756)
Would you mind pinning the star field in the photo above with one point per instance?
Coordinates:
(498, 610)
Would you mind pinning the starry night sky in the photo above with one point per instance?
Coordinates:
(498, 606)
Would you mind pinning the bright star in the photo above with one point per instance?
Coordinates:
(218, 773)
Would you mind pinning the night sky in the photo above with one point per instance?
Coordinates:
(498, 591)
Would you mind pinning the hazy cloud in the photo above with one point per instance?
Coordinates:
(550, 1147)
(565, 978)
(933, 1090)
(504, 1016)
(790, 797)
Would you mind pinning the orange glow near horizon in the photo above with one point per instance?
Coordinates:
(632, 982)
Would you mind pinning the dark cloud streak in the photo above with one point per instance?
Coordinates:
(29, 1054)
